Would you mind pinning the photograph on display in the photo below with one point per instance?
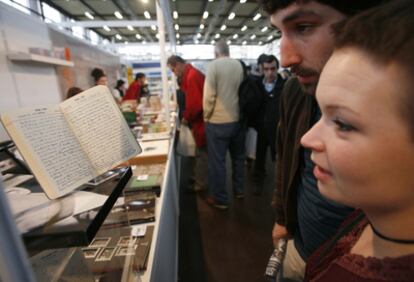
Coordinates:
(106, 254)
(90, 252)
(100, 242)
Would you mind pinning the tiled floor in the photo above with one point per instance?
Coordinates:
(225, 246)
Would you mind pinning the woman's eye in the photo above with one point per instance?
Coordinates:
(343, 126)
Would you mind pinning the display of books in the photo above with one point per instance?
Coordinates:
(144, 183)
(71, 220)
(68, 144)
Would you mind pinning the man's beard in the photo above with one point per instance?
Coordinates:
(307, 88)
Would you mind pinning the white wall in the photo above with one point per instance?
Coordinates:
(24, 84)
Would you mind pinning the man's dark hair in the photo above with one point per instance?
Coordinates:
(347, 7)
(261, 58)
(173, 60)
(269, 59)
(97, 73)
(139, 75)
(72, 92)
(386, 34)
(119, 83)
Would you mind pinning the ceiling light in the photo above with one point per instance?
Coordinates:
(223, 27)
(153, 27)
(205, 15)
(196, 41)
(138, 36)
(177, 35)
(157, 36)
(228, 42)
(125, 42)
(243, 1)
(235, 36)
(119, 37)
(231, 16)
(264, 29)
(270, 37)
(147, 15)
(260, 42)
(201, 26)
(217, 36)
(253, 36)
(106, 28)
(118, 15)
(210, 0)
(175, 15)
(144, 1)
(178, 42)
(177, 27)
(130, 27)
(244, 42)
(198, 35)
(258, 15)
(243, 28)
(89, 15)
(144, 42)
(213, 41)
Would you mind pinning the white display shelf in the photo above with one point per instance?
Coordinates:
(27, 57)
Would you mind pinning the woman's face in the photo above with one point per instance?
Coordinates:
(103, 80)
(362, 147)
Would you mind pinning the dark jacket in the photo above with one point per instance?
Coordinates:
(295, 119)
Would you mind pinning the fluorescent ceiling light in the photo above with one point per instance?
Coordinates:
(244, 42)
(130, 27)
(243, 28)
(205, 15)
(144, 42)
(196, 41)
(228, 42)
(235, 36)
(231, 16)
(125, 42)
(178, 42)
(243, 1)
(270, 37)
(201, 26)
(106, 28)
(264, 29)
(198, 35)
(157, 36)
(213, 41)
(147, 15)
(260, 42)
(89, 15)
(118, 15)
(138, 36)
(175, 15)
(210, 0)
(144, 1)
(223, 27)
(177, 27)
(177, 35)
(217, 36)
(119, 37)
(153, 27)
(253, 36)
(258, 15)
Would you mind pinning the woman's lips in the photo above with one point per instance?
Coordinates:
(321, 174)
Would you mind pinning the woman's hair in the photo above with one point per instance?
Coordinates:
(386, 34)
(347, 7)
(72, 92)
(97, 73)
(119, 83)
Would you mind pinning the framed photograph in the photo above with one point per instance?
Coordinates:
(106, 254)
(126, 251)
(124, 241)
(100, 242)
(90, 252)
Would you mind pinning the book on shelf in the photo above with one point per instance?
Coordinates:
(68, 144)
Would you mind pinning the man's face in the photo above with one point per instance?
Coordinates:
(177, 69)
(307, 39)
(269, 71)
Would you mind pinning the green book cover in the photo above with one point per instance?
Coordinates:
(151, 183)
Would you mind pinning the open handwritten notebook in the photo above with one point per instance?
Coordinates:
(69, 144)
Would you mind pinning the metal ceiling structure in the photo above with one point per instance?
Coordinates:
(241, 22)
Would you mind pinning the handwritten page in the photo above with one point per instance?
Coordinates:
(51, 150)
(100, 128)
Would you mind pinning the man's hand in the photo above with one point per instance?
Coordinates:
(279, 232)
(184, 121)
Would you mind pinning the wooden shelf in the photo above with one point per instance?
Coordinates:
(26, 57)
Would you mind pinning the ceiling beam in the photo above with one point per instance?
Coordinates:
(100, 24)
